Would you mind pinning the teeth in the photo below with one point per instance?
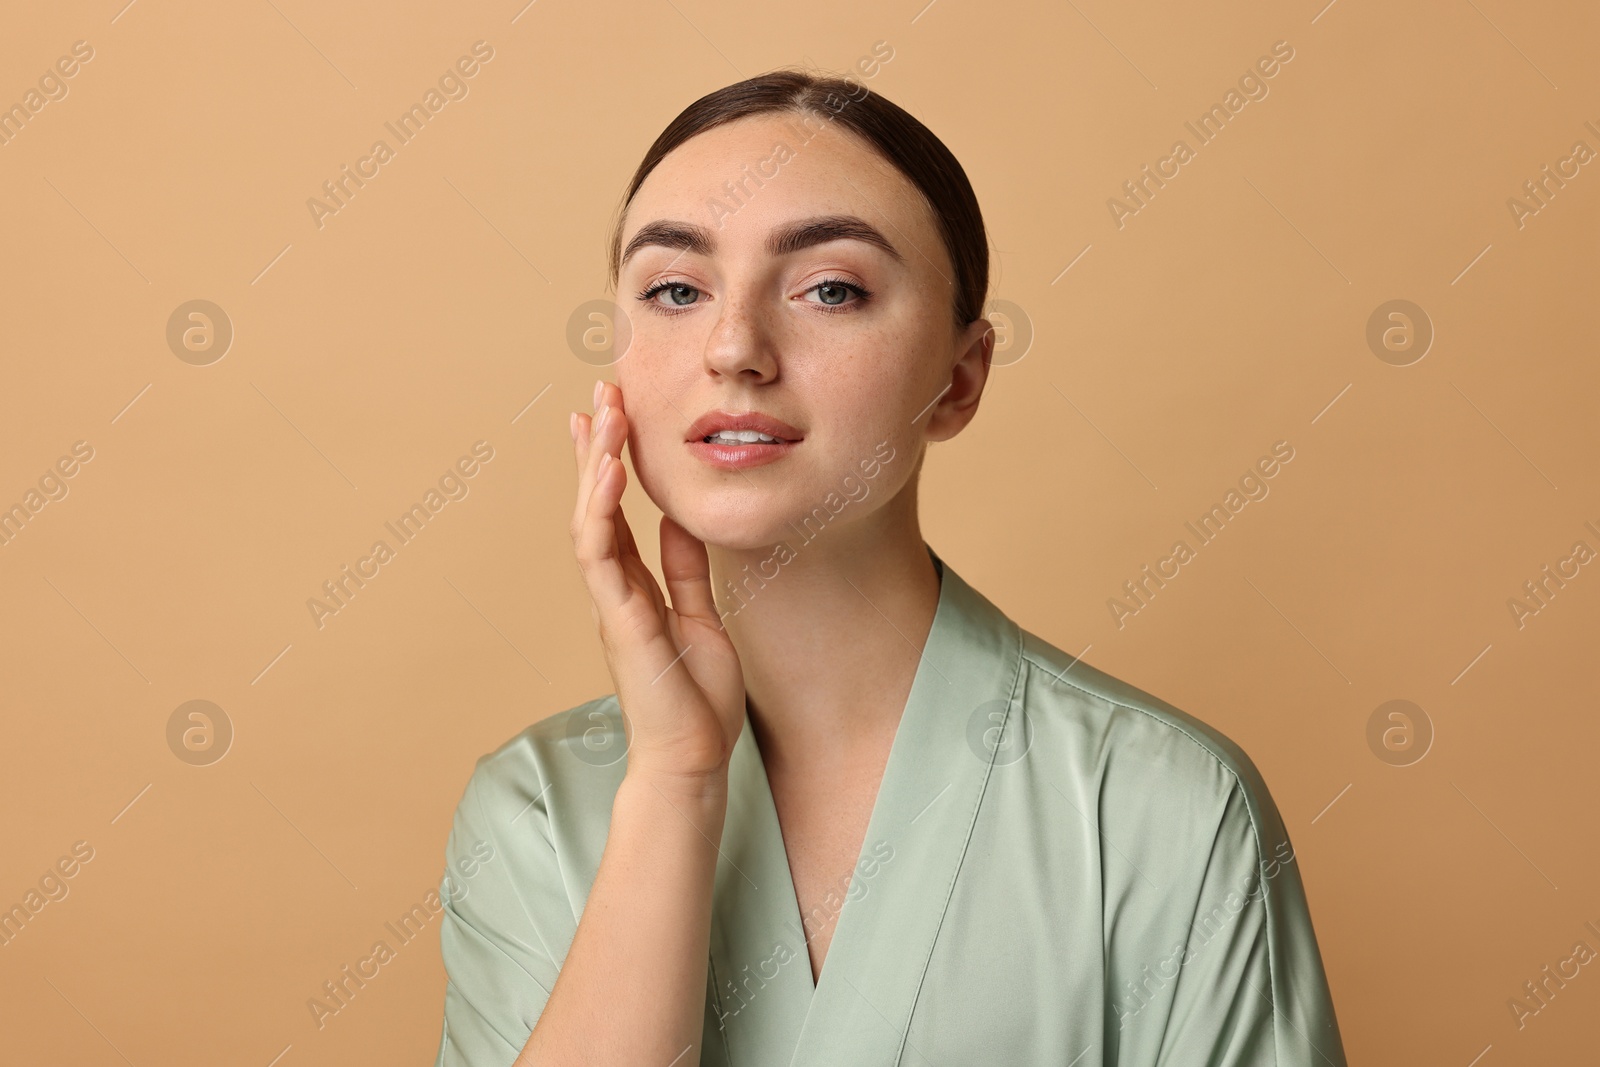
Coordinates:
(741, 437)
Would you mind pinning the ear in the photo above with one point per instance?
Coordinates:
(959, 404)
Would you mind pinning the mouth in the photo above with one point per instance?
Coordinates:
(741, 428)
(735, 441)
(742, 437)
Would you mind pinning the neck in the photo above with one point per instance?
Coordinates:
(829, 630)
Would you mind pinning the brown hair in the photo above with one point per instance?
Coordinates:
(906, 143)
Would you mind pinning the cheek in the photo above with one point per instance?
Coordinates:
(868, 420)
(650, 453)
(656, 427)
(651, 429)
(645, 379)
(888, 376)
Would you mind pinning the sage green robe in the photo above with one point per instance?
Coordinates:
(1059, 869)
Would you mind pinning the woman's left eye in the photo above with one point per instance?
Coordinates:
(834, 293)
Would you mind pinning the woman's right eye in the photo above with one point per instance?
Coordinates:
(681, 296)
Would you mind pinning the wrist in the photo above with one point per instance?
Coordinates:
(676, 783)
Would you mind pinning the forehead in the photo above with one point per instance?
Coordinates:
(745, 177)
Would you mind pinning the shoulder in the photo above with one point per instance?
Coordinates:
(1199, 873)
(1141, 750)
(558, 767)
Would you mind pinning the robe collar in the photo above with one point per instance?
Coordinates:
(762, 999)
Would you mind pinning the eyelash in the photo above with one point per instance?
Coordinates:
(862, 296)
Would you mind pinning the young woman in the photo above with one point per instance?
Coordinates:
(841, 809)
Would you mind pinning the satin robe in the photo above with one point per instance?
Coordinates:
(1059, 869)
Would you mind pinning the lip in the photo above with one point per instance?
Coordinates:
(740, 457)
(713, 421)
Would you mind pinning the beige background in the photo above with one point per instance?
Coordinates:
(430, 312)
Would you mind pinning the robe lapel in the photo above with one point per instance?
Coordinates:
(916, 838)
(760, 973)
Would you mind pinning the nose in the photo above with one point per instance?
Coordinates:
(742, 341)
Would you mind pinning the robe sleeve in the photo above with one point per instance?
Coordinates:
(500, 921)
(1243, 984)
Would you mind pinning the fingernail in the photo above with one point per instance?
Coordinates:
(599, 388)
(600, 424)
(572, 424)
(605, 462)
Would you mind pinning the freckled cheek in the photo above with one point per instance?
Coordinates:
(856, 418)
(653, 453)
(895, 364)
(655, 346)
(651, 435)
(639, 375)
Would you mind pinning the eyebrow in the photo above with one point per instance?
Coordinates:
(790, 237)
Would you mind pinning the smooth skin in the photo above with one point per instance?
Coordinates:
(823, 656)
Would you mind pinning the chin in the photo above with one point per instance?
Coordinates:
(737, 527)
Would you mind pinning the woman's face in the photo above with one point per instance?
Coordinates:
(802, 279)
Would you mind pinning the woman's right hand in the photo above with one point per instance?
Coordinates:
(676, 672)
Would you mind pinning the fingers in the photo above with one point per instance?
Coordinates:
(687, 569)
(627, 547)
(684, 560)
(634, 565)
(600, 430)
(596, 545)
(602, 537)
(597, 445)
(591, 431)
